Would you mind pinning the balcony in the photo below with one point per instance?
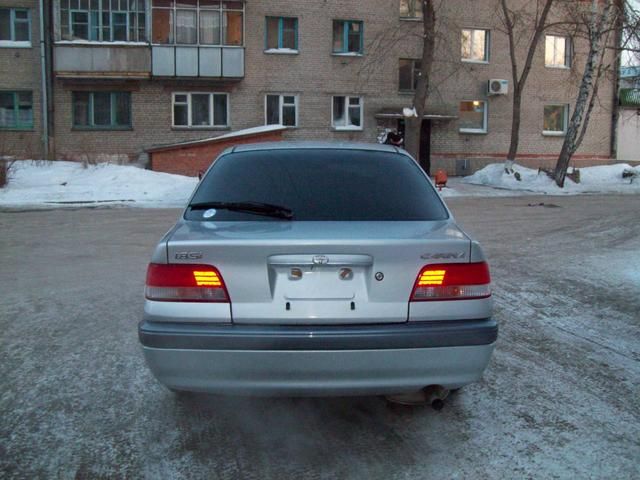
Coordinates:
(101, 60)
(197, 61)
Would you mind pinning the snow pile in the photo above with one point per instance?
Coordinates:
(71, 183)
(600, 179)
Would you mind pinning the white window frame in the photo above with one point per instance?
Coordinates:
(555, 133)
(567, 51)
(485, 118)
(487, 45)
(351, 128)
(281, 104)
(189, 125)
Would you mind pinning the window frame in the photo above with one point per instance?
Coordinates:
(280, 48)
(112, 111)
(565, 126)
(281, 106)
(487, 45)
(348, 128)
(190, 126)
(568, 51)
(345, 38)
(96, 24)
(12, 42)
(485, 118)
(413, 74)
(198, 9)
(410, 18)
(16, 112)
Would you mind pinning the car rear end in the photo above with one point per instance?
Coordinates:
(316, 270)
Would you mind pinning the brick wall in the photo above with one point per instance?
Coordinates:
(314, 74)
(194, 159)
(20, 70)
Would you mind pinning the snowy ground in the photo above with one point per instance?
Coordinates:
(593, 180)
(59, 184)
(558, 400)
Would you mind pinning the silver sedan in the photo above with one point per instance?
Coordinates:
(317, 269)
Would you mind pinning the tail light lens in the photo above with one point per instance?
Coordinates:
(185, 283)
(452, 281)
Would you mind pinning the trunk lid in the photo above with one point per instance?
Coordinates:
(280, 272)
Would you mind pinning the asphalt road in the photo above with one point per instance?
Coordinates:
(561, 397)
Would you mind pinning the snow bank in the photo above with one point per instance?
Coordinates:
(600, 179)
(70, 184)
(64, 184)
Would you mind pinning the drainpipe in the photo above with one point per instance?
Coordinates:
(44, 102)
(615, 113)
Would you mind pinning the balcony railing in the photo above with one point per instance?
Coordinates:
(102, 60)
(139, 60)
(197, 61)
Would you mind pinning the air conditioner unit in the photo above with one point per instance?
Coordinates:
(496, 86)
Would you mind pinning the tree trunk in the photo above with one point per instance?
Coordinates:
(412, 137)
(413, 125)
(598, 24)
(515, 127)
(520, 80)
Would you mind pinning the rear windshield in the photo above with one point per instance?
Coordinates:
(320, 185)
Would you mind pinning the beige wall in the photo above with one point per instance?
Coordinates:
(629, 134)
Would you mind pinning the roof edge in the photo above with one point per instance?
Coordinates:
(244, 133)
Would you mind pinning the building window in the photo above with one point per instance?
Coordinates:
(281, 110)
(197, 22)
(555, 119)
(409, 72)
(102, 110)
(282, 33)
(410, 8)
(473, 116)
(200, 110)
(15, 27)
(16, 110)
(347, 37)
(103, 20)
(346, 113)
(475, 45)
(557, 51)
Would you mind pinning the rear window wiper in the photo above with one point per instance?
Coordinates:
(257, 208)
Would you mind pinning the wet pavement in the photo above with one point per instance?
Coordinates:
(560, 398)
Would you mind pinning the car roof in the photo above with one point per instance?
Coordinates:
(288, 145)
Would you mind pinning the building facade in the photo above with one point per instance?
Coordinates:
(21, 122)
(128, 76)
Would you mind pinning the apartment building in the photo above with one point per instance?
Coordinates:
(21, 122)
(130, 75)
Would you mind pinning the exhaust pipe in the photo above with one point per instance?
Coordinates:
(433, 395)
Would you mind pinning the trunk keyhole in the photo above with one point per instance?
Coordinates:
(353, 305)
(287, 306)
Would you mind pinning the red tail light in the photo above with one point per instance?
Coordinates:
(185, 283)
(452, 281)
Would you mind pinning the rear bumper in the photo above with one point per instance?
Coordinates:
(311, 360)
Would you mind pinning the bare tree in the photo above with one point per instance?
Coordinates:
(515, 23)
(421, 95)
(599, 24)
